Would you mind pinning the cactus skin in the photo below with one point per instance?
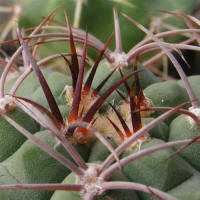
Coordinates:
(61, 195)
(10, 138)
(181, 128)
(175, 166)
(146, 77)
(159, 173)
(57, 83)
(166, 94)
(29, 164)
(98, 152)
(174, 173)
(90, 11)
(30, 87)
(188, 189)
(160, 131)
(115, 194)
(136, 10)
(194, 82)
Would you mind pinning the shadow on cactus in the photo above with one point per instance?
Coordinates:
(95, 137)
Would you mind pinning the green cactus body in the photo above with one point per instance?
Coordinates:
(10, 138)
(95, 20)
(29, 164)
(29, 85)
(57, 83)
(194, 82)
(155, 170)
(98, 152)
(80, 119)
(61, 195)
(115, 194)
(133, 8)
(146, 77)
(180, 129)
(161, 131)
(189, 189)
(7, 178)
(166, 94)
(92, 9)
(31, 89)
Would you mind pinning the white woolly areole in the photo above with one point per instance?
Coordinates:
(119, 60)
(18, 10)
(7, 103)
(68, 90)
(126, 113)
(87, 99)
(92, 183)
(195, 111)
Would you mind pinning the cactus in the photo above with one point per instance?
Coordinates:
(86, 11)
(97, 134)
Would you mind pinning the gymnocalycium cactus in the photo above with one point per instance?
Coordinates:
(92, 135)
(82, 12)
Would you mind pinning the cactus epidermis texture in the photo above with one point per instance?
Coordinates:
(106, 144)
